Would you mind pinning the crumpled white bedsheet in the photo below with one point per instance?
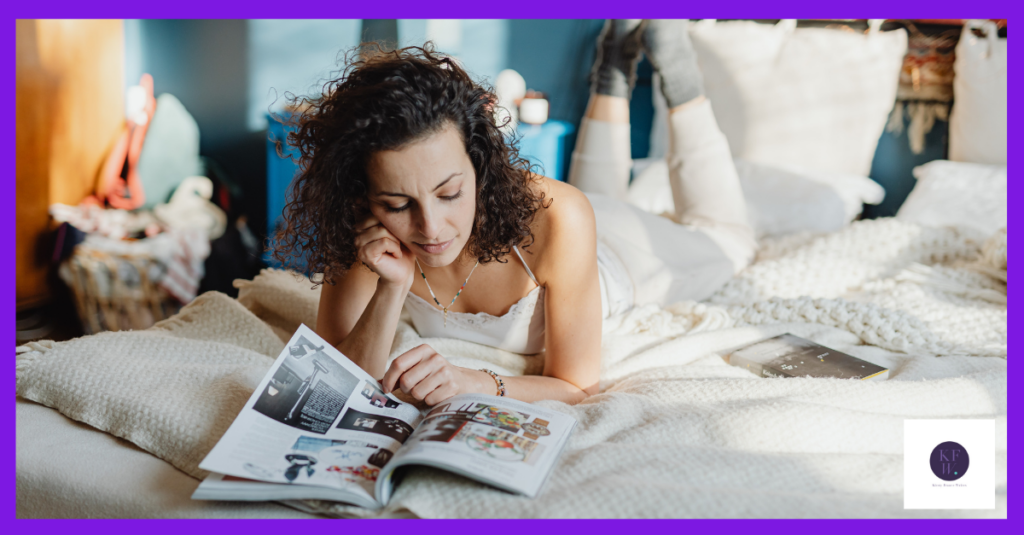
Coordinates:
(675, 432)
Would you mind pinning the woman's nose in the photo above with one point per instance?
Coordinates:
(430, 224)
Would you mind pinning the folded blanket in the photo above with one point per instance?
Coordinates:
(172, 389)
(675, 431)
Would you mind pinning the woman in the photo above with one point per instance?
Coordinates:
(410, 196)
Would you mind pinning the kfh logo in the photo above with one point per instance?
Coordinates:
(950, 461)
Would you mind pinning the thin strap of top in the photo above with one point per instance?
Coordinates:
(528, 271)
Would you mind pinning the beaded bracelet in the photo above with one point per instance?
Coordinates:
(500, 383)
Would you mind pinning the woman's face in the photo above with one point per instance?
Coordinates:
(425, 194)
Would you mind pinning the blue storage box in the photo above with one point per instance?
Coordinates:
(547, 145)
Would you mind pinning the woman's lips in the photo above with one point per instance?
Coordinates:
(435, 248)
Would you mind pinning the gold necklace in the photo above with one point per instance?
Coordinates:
(457, 294)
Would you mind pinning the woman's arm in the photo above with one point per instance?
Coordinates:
(425, 375)
(567, 268)
(360, 319)
(359, 314)
(532, 388)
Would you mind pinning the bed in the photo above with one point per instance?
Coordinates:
(115, 424)
(675, 432)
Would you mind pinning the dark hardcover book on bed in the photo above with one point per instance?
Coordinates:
(788, 355)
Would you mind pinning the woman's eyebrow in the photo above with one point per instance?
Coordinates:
(437, 187)
(445, 181)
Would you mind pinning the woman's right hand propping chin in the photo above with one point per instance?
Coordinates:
(381, 252)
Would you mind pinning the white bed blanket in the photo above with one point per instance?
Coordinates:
(675, 432)
(66, 469)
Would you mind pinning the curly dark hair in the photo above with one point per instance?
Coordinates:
(384, 100)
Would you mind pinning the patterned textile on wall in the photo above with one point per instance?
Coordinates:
(926, 84)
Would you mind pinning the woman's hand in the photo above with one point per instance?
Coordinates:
(381, 252)
(427, 376)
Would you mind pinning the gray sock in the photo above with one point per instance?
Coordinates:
(667, 46)
(618, 52)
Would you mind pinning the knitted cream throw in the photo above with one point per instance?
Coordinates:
(675, 431)
(897, 285)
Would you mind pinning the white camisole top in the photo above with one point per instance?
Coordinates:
(521, 329)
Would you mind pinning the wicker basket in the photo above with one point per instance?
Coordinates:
(115, 292)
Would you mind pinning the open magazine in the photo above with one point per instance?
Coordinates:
(319, 427)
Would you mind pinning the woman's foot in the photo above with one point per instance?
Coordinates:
(618, 52)
(667, 45)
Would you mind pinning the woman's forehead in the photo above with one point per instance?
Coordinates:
(420, 166)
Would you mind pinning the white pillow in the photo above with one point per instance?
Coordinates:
(814, 97)
(977, 124)
(781, 200)
(958, 194)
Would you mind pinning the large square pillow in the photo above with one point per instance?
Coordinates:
(977, 124)
(958, 194)
(817, 98)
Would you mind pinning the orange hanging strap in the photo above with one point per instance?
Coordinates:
(128, 193)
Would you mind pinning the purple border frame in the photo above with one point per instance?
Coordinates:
(477, 9)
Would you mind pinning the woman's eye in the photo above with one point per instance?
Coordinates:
(394, 209)
(452, 197)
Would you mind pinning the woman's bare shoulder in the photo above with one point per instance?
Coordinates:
(564, 205)
(566, 216)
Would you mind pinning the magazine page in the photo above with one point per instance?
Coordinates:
(496, 440)
(315, 419)
(224, 487)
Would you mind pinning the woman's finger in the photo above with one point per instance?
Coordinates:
(417, 374)
(371, 235)
(375, 250)
(441, 393)
(441, 384)
(369, 254)
(402, 363)
(392, 247)
(427, 385)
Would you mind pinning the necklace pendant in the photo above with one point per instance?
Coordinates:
(457, 294)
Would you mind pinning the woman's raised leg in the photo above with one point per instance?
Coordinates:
(710, 240)
(667, 261)
(601, 160)
(705, 186)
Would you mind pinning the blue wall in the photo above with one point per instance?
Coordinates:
(293, 56)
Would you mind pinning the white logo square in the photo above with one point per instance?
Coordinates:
(949, 464)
